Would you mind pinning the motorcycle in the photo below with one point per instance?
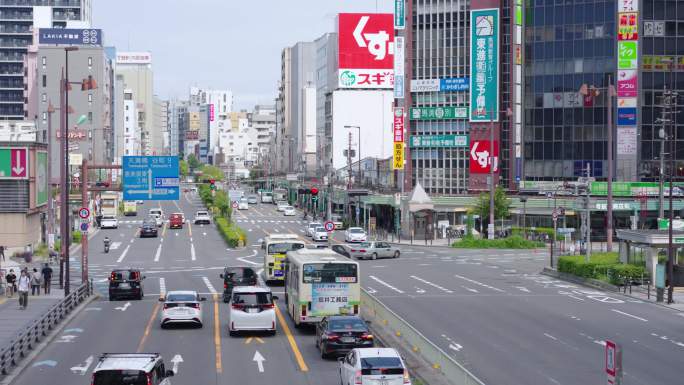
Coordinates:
(106, 246)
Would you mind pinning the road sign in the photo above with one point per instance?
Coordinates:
(150, 178)
(329, 226)
(84, 226)
(555, 214)
(83, 212)
(613, 363)
(235, 205)
(14, 163)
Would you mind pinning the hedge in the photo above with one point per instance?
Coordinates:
(537, 230)
(231, 233)
(513, 242)
(601, 266)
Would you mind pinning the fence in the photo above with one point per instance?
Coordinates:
(375, 311)
(31, 335)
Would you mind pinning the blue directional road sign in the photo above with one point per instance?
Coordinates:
(150, 178)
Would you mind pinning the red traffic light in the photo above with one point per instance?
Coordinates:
(212, 181)
(314, 191)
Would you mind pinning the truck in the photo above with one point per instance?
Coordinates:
(130, 208)
(109, 204)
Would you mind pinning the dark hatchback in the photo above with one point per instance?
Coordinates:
(337, 335)
(148, 228)
(237, 276)
(126, 283)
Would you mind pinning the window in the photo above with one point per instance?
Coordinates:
(44, 61)
(45, 116)
(90, 116)
(43, 98)
(44, 80)
(90, 62)
(90, 98)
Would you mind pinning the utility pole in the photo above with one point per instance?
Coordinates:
(587, 248)
(609, 209)
(490, 227)
(661, 179)
(672, 107)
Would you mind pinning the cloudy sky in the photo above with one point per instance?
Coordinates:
(224, 44)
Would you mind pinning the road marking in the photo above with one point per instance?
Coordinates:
(550, 336)
(163, 230)
(123, 255)
(370, 290)
(67, 338)
(291, 341)
(81, 370)
(189, 229)
(177, 359)
(378, 280)
(116, 245)
(217, 335)
(479, 283)
(455, 347)
(73, 330)
(192, 252)
(211, 288)
(124, 307)
(629, 315)
(250, 339)
(162, 287)
(523, 289)
(419, 290)
(259, 360)
(470, 289)
(432, 284)
(600, 342)
(148, 328)
(49, 363)
(158, 254)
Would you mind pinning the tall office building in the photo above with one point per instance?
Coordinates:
(219, 105)
(19, 19)
(135, 69)
(160, 127)
(177, 125)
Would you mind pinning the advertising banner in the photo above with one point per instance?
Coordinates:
(399, 68)
(439, 141)
(627, 84)
(454, 84)
(628, 5)
(398, 124)
(425, 85)
(627, 140)
(329, 299)
(484, 65)
(628, 26)
(41, 178)
(211, 112)
(480, 159)
(134, 58)
(434, 113)
(398, 156)
(399, 14)
(626, 116)
(627, 55)
(366, 50)
(70, 36)
(627, 102)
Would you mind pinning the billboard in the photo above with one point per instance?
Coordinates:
(480, 159)
(41, 178)
(439, 141)
(399, 68)
(398, 124)
(398, 156)
(14, 163)
(366, 50)
(70, 36)
(627, 82)
(484, 65)
(434, 113)
(133, 58)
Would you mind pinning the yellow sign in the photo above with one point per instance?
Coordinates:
(398, 163)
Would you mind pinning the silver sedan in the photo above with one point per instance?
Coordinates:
(373, 250)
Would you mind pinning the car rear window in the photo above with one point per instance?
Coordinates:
(381, 365)
(120, 377)
(347, 324)
(252, 298)
(181, 297)
(176, 216)
(240, 273)
(356, 231)
(199, 213)
(107, 217)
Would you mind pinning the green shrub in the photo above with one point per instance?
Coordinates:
(537, 230)
(76, 237)
(602, 266)
(513, 242)
(231, 233)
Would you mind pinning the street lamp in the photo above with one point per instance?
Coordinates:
(490, 226)
(359, 139)
(523, 199)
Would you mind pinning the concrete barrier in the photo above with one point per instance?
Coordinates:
(381, 316)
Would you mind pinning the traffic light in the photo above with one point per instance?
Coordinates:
(314, 194)
(212, 184)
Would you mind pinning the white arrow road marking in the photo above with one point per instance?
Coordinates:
(83, 368)
(124, 307)
(419, 290)
(259, 360)
(455, 347)
(192, 252)
(177, 359)
(162, 286)
(67, 338)
(115, 245)
(18, 169)
(123, 255)
(158, 254)
(370, 290)
(49, 363)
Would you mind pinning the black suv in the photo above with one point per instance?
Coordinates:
(148, 228)
(237, 276)
(340, 334)
(126, 283)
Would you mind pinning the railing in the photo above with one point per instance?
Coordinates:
(31, 335)
(379, 314)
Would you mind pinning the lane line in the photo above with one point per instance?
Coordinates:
(550, 336)
(162, 287)
(163, 231)
(148, 328)
(211, 288)
(436, 286)
(192, 252)
(158, 254)
(293, 344)
(190, 229)
(479, 283)
(217, 335)
(629, 315)
(123, 255)
(378, 280)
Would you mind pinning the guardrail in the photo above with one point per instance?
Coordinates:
(31, 335)
(376, 312)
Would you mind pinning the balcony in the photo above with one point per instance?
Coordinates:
(16, 30)
(10, 16)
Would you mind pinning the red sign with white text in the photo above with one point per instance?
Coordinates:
(19, 162)
(399, 124)
(366, 40)
(480, 158)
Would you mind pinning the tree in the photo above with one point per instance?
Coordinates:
(222, 203)
(193, 162)
(502, 205)
(183, 167)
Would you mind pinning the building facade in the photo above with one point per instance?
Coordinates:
(135, 68)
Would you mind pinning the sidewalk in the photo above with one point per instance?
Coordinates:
(642, 294)
(13, 320)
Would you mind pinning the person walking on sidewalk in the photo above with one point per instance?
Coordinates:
(47, 277)
(36, 279)
(11, 280)
(24, 284)
(2, 253)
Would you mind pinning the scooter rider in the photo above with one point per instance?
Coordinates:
(106, 244)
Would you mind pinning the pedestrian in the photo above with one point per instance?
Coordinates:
(36, 279)
(11, 279)
(47, 277)
(24, 284)
(2, 253)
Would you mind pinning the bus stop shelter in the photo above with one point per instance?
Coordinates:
(636, 246)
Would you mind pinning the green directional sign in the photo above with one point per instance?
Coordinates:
(435, 113)
(41, 178)
(439, 141)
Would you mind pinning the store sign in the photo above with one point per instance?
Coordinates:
(74, 134)
(626, 116)
(627, 55)
(366, 50)
(632, 189)
(454, 84)
(211, 112)
(70, 36)
(398, 156)
(627, 83)
(399, 14)
(133, 58)
(628, 26)
(627, 102)
(480, 156)
(436, 113)
(628, 5)
(484, 65)
(425, 85)
(439, 141)
(399, 86)
(191, 135)
(399, 124)
(627, 140)
(654, 28)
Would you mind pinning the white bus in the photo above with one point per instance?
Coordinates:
(275, 249)
(266, 197)
(279, 194)
(319, 283)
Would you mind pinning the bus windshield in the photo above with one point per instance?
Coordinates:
(282, 248)
(330, 273)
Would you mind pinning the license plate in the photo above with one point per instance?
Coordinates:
(124, 286)
(252, 310)
(383, 382)
(348, 340)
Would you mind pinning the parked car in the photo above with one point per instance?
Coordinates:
(126, 283)
(355, 234)
(289, 211)
(373, 366)
(252, 199)
(237, 276)
(131, 368)
(243, 204)
(281, 205)
(341, 250)
(181, 307)
(149, 228)
(109, 222)
(176, 221)
(373, 250)
(340, 334)
(319, 234)
(252, 308)
(311, 227)
(202, 217)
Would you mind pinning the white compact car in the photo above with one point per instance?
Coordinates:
(373, 366)
(354, 234)
(243, 204)
(281, 205)
(157, 219)
(202, 217)
(311, 227)
(289, 211)
(252, 308)
(319, 234)
(181, 307)
(109, 222)
(131, 368)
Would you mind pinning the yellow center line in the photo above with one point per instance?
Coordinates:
(291, 340)
(190, 229)
(217, 335)
(164, 229)
(148, 328)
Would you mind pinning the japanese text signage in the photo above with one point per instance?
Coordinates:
(399, 14)
(70, 36)
(14, 163)
(398, 156)
(627, 83)
(435, 113)
(439, 141)
(133, 58)
(480, 158)
(366, 50)
(150, 178)
(628, 26)
(398, 124)
(627, 116)
(454, 84)
(399, 68)
(628, 5)
(627, 55)
(484, 65)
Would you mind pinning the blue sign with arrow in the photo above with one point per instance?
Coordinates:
(150, 178)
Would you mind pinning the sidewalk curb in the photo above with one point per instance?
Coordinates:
(26, 361)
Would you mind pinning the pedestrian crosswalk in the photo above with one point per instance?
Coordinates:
(280, 221)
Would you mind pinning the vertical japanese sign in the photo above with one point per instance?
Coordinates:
(398, 124)
(399, 14)
(211, 112)
(41, 178)
(399, 67)
(398, 156)
(484, 65)
(627, 77)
